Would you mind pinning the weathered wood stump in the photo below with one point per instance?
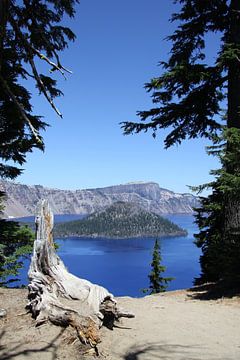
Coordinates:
(3, 313)
(58, 296)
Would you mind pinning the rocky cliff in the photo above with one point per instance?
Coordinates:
(22, 199)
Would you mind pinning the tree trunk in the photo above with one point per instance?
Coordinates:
(232, 202)
(231, 225)
(234, 67)
(56, 295)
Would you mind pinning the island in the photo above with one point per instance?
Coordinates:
(120, 220)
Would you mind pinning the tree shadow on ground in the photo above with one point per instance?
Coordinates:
(167, 352)
(10, 353)
(215, 291)
(1, 336)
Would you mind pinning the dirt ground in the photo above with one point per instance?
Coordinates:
(174, 325)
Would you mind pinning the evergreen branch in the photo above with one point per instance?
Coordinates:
(55, 54)
(4, 4)
(42, 87)
(28, 47)
(55, 67)
(20, 109)
(28, 74)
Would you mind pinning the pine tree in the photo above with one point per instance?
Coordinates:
(188, 98)
(221, 248)
(30, 32)
(15, 244)
(157, 282)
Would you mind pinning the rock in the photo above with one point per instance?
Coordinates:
(22, 199)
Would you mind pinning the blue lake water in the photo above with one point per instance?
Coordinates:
(123, 265)
(57, 218)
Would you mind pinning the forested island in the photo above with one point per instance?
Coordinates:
(120, 220)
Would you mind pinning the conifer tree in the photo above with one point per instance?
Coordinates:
(188, 98)
(157, 282)
(221, 248)
(15, 244)
(30, 32)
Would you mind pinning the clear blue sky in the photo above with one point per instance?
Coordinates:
(117, 50)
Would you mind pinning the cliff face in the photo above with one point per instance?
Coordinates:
(22, 199)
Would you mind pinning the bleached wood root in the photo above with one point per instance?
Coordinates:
(60, 297)
(3, 313)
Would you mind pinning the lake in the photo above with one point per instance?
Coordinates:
(123, 265)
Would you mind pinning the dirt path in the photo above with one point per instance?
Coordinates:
(169, 326)
(174, 327)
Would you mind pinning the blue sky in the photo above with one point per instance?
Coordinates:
(117, 50)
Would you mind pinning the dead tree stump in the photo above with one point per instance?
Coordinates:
(58, 296)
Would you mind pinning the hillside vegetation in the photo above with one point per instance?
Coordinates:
(120, 220)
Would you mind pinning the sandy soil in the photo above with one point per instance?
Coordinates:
(169, 326)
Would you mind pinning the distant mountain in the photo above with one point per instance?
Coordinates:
(22, 199)
(120, 220)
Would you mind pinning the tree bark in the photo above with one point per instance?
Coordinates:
(234, 67)
(231, 231)
(57, 296)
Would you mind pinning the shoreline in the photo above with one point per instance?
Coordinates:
(102, 236)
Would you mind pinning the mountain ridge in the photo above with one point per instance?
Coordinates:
(22, 199)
